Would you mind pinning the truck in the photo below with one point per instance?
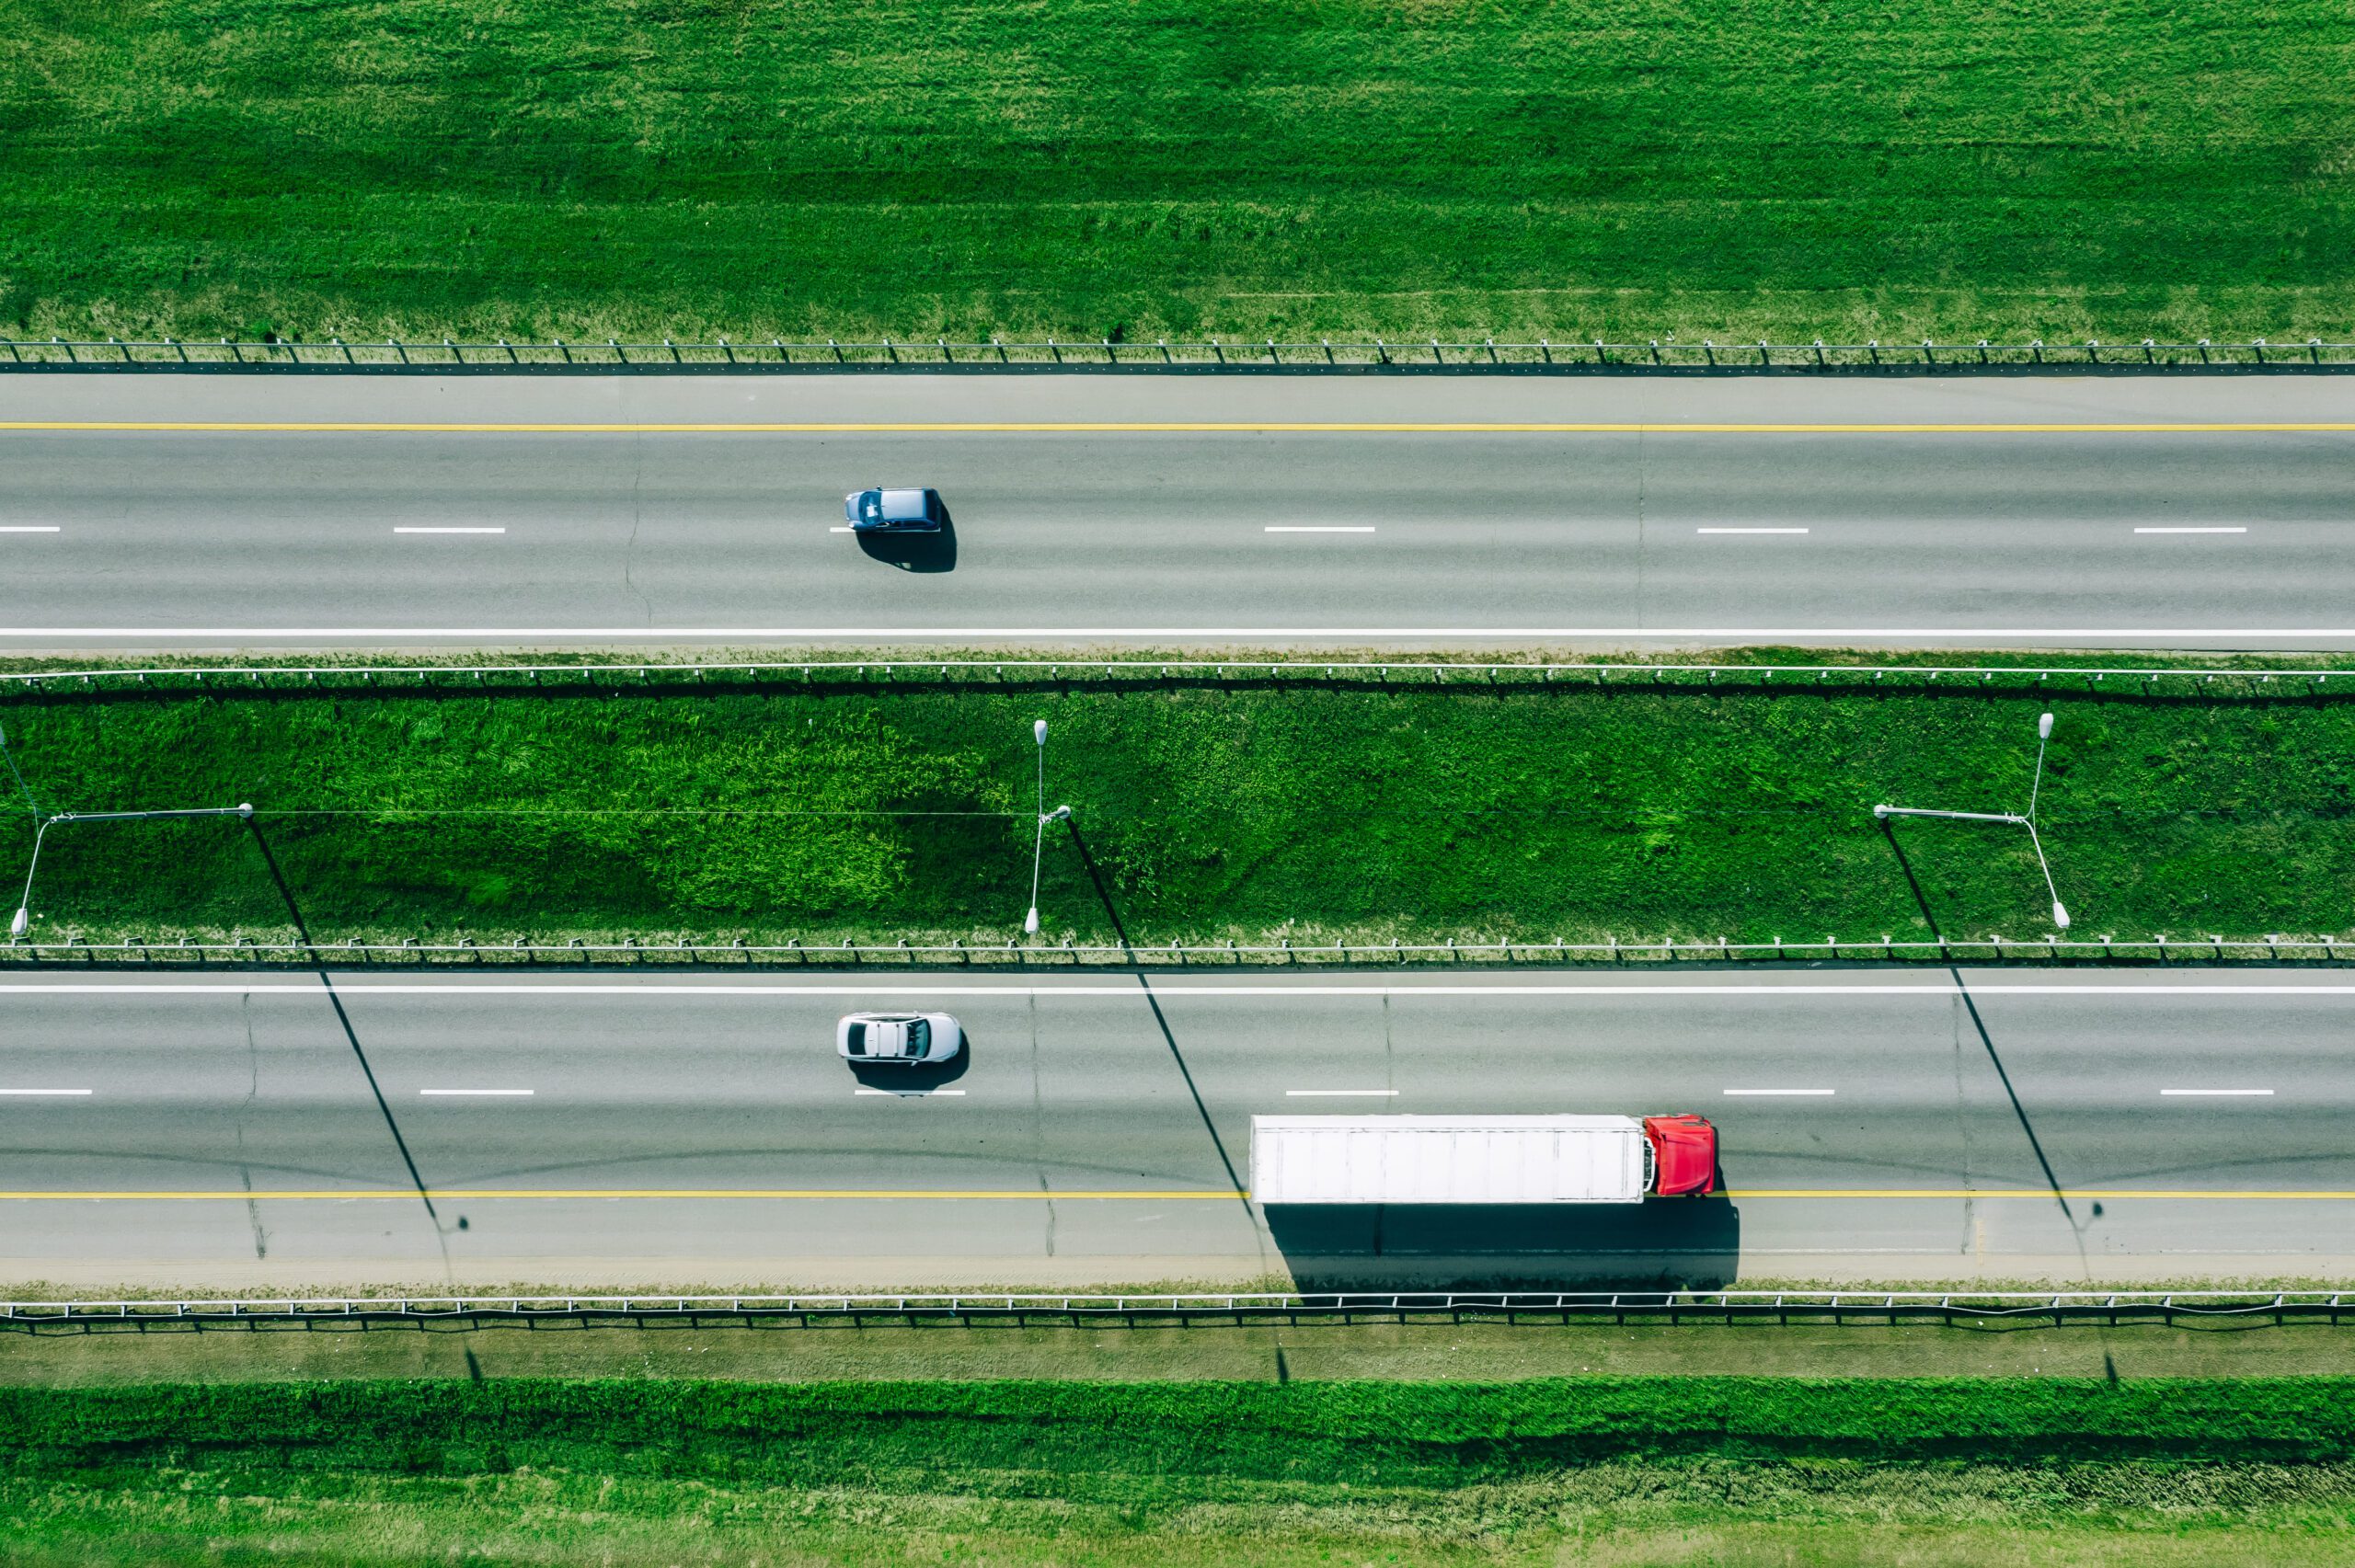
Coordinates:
(1481, 1160)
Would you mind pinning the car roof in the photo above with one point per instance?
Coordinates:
(904, 505)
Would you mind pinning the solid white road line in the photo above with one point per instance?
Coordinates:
(2233, 1093)
(841, 527)
(1750, 531)
(28, 1093)
(1811, 1092)
(2191, 530)
(909, 1094)
(1163, 987)
(29, 528)
(449, 530)
(476, 1093)
(1305, 529)
(1339, 1094)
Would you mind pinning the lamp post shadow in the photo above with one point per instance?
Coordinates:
(350, 1035)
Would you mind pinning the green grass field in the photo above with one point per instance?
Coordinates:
(1611, 1471)
(1524, 809)
(1131, 168)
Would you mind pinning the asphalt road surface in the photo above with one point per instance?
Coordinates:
(580, 1129)
(140, 511)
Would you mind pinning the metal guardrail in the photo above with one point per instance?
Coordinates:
(219, 680)
(1676, 1306)
(1544, 355)
(1071, 954)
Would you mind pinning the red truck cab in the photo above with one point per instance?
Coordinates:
(1684, 1155)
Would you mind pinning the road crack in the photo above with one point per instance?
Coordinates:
(252, 1103)
(637, 520)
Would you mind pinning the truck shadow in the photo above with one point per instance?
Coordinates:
(1676, 1242)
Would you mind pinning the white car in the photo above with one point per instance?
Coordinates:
(903, 1039)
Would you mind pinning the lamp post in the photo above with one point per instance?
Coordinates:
(23, 920)
(2027, 820)
(1039, 840)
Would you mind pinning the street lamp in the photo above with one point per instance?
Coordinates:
(2043, 736)
(23, 920)
(1038, 841)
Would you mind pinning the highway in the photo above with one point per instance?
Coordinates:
(206, 1130)
(223, 512)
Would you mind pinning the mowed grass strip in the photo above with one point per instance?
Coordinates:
(1617, 1470)
(1207, 813)
(1134, 168)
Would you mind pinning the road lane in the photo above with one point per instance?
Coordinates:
(1142, 535)
(670, 1118)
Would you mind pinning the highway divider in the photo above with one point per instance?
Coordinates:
(1230, 812)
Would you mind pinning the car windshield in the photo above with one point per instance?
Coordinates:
(919, 1035)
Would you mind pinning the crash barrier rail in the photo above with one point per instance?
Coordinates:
(222, 680)
(1428, 354)
(1620, 1306)
(1071, 954)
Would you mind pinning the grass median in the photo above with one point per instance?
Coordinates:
(1107, 168)
(1727, 1471)
(1204, 812)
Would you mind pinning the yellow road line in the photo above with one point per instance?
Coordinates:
(444, 1195)
(278, 426)
(1033, 1195)
(2088, 1194)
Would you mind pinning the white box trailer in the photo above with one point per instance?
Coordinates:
(1478, 1160)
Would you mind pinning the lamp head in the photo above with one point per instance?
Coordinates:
(2044, 728)
(1038, 732)
(1029, 921)
(2060, 915)
(21, 923)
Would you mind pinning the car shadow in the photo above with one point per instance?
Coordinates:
(1660, 1244)
(913, 552)
(914, 1079)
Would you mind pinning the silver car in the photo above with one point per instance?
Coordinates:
(903, 1039)
(881, 510)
